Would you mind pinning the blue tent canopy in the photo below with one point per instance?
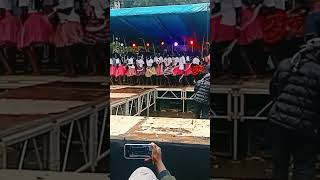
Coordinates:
(162, 23)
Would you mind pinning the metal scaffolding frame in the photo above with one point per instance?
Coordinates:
(260, 114)
(136, 105)
(236, 103)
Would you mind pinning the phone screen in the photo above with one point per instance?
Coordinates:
(137, 151)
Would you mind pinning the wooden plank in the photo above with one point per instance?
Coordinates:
(31, 106)
(45, 175)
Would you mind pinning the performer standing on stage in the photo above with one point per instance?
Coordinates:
(177, 68)
(96, 33)
(251, 38)
(225, 20)
(10, 30)
(150, 69)
(188, 71)
(36, 30)
(159, 68)
(196, 68)
(140, 65)
(131, 73)
(68, 35)
(121, 69)
(167, 72)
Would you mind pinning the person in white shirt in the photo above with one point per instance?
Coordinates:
(131, 73)
(278, 4)
(182, 63)
(196, 60)
(159, 61)
(150, 70)
(227, 15)
(178, 67)
(168, 69)
(140, 68)
(69, 33)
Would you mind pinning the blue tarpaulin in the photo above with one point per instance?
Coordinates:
(162, 23)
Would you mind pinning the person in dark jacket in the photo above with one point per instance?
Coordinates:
(202, 98)
(295, 114)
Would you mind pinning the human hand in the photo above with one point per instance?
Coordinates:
(156, 155)
(156, 158)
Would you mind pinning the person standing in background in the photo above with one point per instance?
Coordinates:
(10, 29)
(69, 34)
(202, 98)
(36, 30)
(95, 34)
(225, 22)
(294, 116)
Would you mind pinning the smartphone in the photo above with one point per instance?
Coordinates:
(137, 151)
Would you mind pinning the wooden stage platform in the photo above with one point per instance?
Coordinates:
(46, 175)
(42, 114)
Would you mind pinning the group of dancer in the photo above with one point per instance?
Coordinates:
(26, 25)
(157, 69)
(250, 37)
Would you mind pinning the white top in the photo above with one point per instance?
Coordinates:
(175, 61)
(150, 62)
(131, 63)
(156, 60)
(99, 6)
(228, 11)
(279, 4)
(160, 59)
(167, 61)
(182, 62)
(187, 59)
(117, 61)
(140, 63)
(72, 17)
(28, 3)
(196, 61)
(111, 61)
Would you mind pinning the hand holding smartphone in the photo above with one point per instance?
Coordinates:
(137, 151)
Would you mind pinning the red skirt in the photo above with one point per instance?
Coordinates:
(188, 70)
(113, 70)
(220, 32)
(197, 69)
(177, 72)
(275, 27)
(10, 30)
(68, 34)
(36, 29)
(121, 71)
